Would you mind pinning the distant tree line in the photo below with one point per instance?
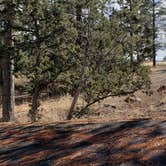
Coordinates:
(82, 48)
(164, 59)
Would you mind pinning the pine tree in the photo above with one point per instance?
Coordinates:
(7, 17)
(154, 32)
(135, 21)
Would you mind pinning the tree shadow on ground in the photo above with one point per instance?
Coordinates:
(138, 142)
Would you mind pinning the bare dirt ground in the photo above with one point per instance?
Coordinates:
(113, 109)
(84, 143)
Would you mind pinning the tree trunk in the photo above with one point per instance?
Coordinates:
(7, 70)
(154, 35)
(131, 35)
(74, 102)
(35, 105)
(138, 58)
(78, 42)
(0, 81)
(7, 91)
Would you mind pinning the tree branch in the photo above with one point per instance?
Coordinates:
(110, 95)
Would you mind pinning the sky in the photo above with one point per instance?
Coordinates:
(161, 54)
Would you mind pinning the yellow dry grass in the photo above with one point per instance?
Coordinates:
(51, 110)
(150, 63)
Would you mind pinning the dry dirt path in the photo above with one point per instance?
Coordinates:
(130, 143)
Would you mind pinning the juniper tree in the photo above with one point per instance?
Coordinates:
(46, 47)
(115, 76)
(103, 58)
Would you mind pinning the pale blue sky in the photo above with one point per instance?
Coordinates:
(161, 54)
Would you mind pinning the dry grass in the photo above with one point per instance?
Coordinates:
(115, 109)
(56, 109)
(51, 110)
(163, 63)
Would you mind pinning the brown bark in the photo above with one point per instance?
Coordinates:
(74, 102)
(131, 35)
(109, 95)
(7, 70)
(35, 104)
(0, 75)
(77, 93)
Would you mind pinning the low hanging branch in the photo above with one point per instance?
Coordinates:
(110, 95)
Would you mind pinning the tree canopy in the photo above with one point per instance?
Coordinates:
(88, 48)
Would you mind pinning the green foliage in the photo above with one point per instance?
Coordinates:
(104, 67)
(136, 24)
(116, 82)
(45, 48)
(66, 46)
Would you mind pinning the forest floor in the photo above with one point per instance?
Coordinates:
(84, 143)
(117, 133)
